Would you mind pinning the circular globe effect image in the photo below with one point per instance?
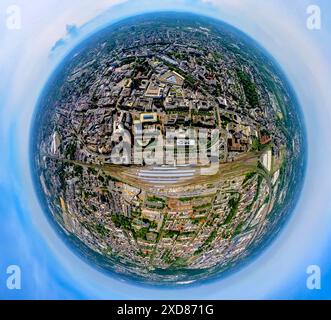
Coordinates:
(168, 149)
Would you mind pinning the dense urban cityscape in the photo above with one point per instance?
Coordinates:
(167, 146)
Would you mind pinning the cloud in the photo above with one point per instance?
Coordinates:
(72, 31)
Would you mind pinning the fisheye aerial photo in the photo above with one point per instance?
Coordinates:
(169, 148)
(165, 156)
